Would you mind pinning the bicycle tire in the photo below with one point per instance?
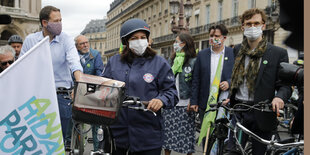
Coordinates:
(77, 139)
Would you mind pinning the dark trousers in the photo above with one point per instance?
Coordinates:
(122, 151)
(248, 120)
(65, 112)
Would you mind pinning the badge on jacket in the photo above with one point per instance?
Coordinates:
(148, 77)
(187, 69)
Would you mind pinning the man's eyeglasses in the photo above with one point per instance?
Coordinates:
(4, 63)
(249, 24)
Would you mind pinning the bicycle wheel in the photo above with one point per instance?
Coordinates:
(77, 139)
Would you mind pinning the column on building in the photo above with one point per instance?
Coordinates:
(16, 3)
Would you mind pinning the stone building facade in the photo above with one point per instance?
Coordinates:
(95, 31)
(25, 18)
(205, 13)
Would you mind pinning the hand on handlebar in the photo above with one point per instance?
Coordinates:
(155, 104)
(277, 104)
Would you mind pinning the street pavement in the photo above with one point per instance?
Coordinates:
(199, 151)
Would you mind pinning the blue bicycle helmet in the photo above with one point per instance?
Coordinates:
(133, 25)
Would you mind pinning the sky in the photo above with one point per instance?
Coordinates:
(76, 14)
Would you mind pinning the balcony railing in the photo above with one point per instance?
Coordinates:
(12, 11)
(165, 38)
(111, 51)
(230, 22)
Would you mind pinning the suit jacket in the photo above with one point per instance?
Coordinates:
(267, 81)
(202, 72)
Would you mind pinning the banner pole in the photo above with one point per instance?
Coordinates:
(206, 143)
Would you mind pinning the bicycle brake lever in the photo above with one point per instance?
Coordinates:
(150, 111)
(139, 108)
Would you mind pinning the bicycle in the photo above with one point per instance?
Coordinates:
(97, 100)
(223, 125)
(107, 143)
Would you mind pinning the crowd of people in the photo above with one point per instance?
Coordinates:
(176, 88)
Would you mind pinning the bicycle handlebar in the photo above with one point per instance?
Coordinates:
(263, 106)
(135, 103)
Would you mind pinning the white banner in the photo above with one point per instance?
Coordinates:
(29, 115)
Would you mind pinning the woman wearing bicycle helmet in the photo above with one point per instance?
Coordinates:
(147, 76)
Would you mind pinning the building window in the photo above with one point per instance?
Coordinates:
(160, 6)
(235, 8)
(196, 45)
(159, 29)
(197, 19)
(251, 3)
(220, 10)
(269, 2)
(100, 45)
(166, 27)
(208, 14)
(204, 44)
(9, 3)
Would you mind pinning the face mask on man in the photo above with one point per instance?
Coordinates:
(54, 28)
(252, 33)
(177, 47)
(216, 42)
(138, 46)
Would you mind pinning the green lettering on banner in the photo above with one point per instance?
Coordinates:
(59, 141)
(46, 103)
(52, 118)
(37, 126)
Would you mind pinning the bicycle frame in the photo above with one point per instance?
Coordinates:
(271, 143)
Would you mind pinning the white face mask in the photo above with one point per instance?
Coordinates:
(177, 47)
(138, 46)
(252, 33)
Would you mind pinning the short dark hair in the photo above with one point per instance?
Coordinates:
(248, 14)
(220, 27)
(46, 11)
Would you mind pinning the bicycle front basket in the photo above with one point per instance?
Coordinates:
(97, 100)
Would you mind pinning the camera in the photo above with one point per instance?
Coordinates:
(292, 74)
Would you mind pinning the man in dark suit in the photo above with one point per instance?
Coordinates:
(205, 69)
(255, 78)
